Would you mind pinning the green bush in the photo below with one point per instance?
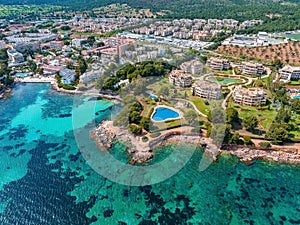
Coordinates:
(135, 129)
(265, 145)
(145, 139)
(248, 141)
(155, 135)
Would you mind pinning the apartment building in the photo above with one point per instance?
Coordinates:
(206, 89)
(252, 69)
(193, 67)
(67, 76)
(2, 45)
(249, 97)
(57, 45)
(288, 73)
(218, 64)
(180, 78)
(15, 57)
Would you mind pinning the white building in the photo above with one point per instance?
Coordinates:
(252, 69)
(77, 42)
(67, 76)
(180, 78)
(193, 67)
(249, 97)
(15, 57)
(218, 64)
(57, 45)
(288, 73)
(206, 89)
(91, 76)
(2, 45)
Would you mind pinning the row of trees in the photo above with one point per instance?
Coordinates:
(136, 121)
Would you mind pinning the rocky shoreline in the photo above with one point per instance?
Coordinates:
(248, 155)
(106, 134)
(6, 91)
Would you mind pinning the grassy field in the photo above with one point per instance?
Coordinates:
(294, 82)
(295, 122)
(293, 36)
(200, 104)
(226, 72)
(265, 117)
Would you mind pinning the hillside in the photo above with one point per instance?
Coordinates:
(287, 12)
(286, 53)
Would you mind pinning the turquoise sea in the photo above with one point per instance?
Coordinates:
(46, 174)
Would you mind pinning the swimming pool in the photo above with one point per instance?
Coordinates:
(22, 74)
(297, 96)
(153, 96)
(162, 113)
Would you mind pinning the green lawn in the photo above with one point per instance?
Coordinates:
(295, 122)
(227, 72)
(265, 117)
(293, 36)
(199, 103)
(294, 82)
(148, 109)
(168, 125)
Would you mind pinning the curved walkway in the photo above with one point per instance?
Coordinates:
(194, 106)
(228, 96)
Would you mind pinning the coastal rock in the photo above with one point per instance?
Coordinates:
(247, 154)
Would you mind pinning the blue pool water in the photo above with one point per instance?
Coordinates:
(153, 97)
(163, 113)
(298, 96)
(21, 74)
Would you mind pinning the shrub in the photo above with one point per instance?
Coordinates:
(155, 135)
(248, 141)
(145, 139)
(135, 129)
(265, 144)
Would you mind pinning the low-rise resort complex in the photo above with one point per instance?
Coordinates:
(252, 69)
(218, 63)
(249, 96)
(288, 73)
(208, 90)
(180, 78)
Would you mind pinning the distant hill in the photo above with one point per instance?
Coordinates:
(156, 5)
(288, 10)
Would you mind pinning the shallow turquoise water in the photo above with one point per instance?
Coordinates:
(46, 174)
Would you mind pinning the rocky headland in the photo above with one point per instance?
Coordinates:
(142, 151)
